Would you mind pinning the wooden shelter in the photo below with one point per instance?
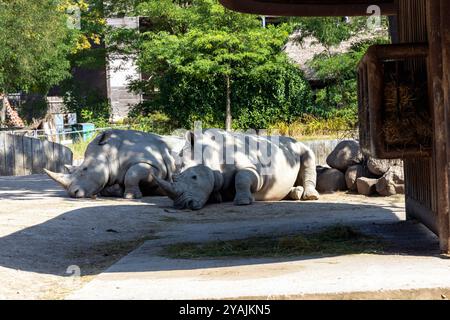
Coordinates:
(421, 53)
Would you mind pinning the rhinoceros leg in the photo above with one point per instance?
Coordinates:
(307, 176)
(246, 183)
(115, 190)
(141, 172)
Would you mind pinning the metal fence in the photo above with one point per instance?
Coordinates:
(59, 136)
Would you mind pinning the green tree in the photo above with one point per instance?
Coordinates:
(329, 31)
(336, 69)
(214, 47)
(270, 93)
(217, 54)
(34, 45)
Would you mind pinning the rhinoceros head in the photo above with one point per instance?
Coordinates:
(193, 187)
(91, 176)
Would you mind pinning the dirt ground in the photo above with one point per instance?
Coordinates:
(53, 246)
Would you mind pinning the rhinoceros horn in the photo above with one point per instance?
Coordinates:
(63, 179)
(167, 187)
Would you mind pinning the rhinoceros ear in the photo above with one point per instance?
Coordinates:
(190, 138)
(70, 169)
(104, 138)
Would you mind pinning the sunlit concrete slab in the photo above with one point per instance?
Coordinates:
(331, 277)
(54, 247)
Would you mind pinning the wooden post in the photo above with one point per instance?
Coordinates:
(2, 109)
(228, 120)
(2, 154)
(38, 159)
(18, 155)
(445, 37)
(9, 155)
(438, 66)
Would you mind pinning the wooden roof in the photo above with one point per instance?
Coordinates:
(310, 7)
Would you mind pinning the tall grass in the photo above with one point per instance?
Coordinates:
(309, 127)
(79, 147)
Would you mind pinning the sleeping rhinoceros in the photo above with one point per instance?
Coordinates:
(241, 166)
(122, 163)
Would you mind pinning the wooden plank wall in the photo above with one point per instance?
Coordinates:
(445, 32)
(420, 173)
(21, 156)
(440, 119)
(420, 191)
(427, 180)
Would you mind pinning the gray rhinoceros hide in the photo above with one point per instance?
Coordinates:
(122, 163)
(222, 165)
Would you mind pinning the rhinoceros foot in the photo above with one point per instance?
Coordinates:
(243, 199)
(115, 190)
(133, 193)
(310, 194)
(296, 193)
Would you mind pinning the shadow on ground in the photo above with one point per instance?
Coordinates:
(29, 188)
(95, 237)
(91, 238)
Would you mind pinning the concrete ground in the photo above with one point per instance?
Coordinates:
(53, 247)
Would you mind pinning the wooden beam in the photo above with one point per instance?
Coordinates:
(397, 51)
(309, 8)
(445, 38)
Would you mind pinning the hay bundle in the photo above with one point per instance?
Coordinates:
(407, 121)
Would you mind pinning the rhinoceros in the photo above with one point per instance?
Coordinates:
(122, 163)
(243, 167)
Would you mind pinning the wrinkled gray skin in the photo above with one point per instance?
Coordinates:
(293, 175)
(122, 163)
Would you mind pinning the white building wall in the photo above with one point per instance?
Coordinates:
(120, 71)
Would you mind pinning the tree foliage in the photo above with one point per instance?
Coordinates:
(88, 54)
(198, 59)
(338, 71)
(276, 92)
(34, 44)
(194, 49)
(329, 31)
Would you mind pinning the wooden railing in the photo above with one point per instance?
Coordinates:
(21, 155)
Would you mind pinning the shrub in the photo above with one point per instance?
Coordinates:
(89, 116)
(156, 122)
(87, 103)
(274, 92)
